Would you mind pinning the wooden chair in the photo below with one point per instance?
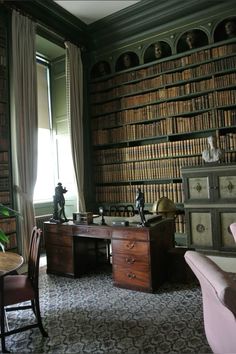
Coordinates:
(20, 288)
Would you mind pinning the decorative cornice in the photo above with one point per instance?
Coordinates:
(50, 14)
(146, 17)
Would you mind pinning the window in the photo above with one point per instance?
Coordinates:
(46, 177)
(54, 151)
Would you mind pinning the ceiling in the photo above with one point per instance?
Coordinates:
(87, 11)
(93, 10)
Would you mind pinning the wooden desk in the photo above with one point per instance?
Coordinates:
(9, 262)
(139, 254)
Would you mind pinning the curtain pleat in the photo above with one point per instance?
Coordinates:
(24, 123)
(74, 83)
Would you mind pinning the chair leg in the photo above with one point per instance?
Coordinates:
(38, 316)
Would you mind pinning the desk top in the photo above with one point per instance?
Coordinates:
(9, 262)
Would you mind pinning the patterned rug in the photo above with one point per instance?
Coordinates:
(90, 315)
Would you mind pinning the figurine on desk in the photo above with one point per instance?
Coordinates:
(59, 204)
(212, 154)
(139, 202)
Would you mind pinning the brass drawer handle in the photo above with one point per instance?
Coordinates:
(130, 245)
(129, 260)
(131, 275)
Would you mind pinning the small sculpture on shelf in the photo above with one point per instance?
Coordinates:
(140, 202)
(212, 153)
(59, 204)
(230, 28)
(192, 39)
(101, 212)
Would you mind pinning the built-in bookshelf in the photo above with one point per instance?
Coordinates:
(150, 121)
(8, 225)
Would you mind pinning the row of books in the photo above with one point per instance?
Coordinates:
(170, 107)
(12, 242)
(180, 224)
(150, 112)
(4, 156)
(173, 79)
(152, 151)
(4, 197)
(165, 66)
(176, 125)
(4, 184)
(3, 59)
(152, 192)
(8, 225)
(144, 170)
(4, 169)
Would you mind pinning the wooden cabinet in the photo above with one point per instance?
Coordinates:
(140, 256)
(210, 205)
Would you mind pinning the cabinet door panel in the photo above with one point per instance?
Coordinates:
(227, 187)
(227, 218)
(201, 228)
(199, 188)
(59, 259)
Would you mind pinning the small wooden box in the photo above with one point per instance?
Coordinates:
(83, 218)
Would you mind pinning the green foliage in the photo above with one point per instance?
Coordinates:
(5, 212)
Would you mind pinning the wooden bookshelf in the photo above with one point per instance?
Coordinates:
(150, 121)
(7, 225)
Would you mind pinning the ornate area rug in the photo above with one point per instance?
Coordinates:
(90, 315)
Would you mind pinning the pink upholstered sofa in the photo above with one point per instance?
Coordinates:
(219, 302)
(233, 230)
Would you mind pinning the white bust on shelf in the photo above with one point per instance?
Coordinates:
(212, 154)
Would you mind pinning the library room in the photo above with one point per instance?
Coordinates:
(118, 176)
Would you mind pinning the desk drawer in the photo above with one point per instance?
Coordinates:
(131, 262)
(130, 247)
(58, 229)
(58, 239)
(95, 232)
(131, 278)
(137, 234)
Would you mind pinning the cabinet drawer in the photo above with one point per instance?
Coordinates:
(131, 262)
(131, 247)
(58, 239)
(121, 233)
(92, 232)
(131, 278)
(58, 229)
(60, 259)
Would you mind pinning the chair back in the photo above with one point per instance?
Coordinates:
(233, 230)
(34, 256)
(219, 302)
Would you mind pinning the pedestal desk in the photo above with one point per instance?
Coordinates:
(139, 254)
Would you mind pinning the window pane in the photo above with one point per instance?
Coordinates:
(45, 178)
